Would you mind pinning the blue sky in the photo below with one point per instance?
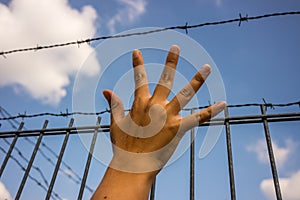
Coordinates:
(259, 59)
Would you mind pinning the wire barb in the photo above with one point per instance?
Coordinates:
(3, 54)
(268, 104)
(186, 28)
(78, 43)
(243, 19)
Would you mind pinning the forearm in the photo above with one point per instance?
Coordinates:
(118, 185)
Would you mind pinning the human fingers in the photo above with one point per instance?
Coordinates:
(202, 116)
(165, 83)
(186, 93)
(140, 76)
(115, 104)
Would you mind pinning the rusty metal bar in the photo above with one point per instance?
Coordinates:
(152, 193)
(57, 131)
(88, 162)
(11, 147)
(271, 153)
(233, 120)
(192, 162)
(229, 154)
(62, 151)
(37, 145)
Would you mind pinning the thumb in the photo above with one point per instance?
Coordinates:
(115, 104)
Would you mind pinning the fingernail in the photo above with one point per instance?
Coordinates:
(135, 53)
(106, 95)
(175, 49)
(218, 107)
(221, 105)
(205, 71)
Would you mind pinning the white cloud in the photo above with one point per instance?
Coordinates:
(44, 74)
(281, 153)
(289, 187)
(129, 12)
(67, 172)
(4, 194)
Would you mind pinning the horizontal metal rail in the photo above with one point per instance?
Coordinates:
(232, 120)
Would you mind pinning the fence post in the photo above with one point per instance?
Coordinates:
(271, 153)
(152, 193)
(63, 147)
(11, 147)
(88, 162)
(192, 162)
(37, 145)
(229, 154)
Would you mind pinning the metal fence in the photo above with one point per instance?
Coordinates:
(263, 118)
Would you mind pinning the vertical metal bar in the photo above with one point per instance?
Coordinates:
(11, 147)
(192, 162)
(38, 142)
(229, 154)
(152, 193)
(62, 151)
(271, 154)
(88, 162)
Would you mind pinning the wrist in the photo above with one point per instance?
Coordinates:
(120, 185)
(140, 168)
(144, 178)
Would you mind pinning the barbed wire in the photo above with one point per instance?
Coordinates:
(185, 27)
(67, 114)
(54, 195)
(5, 113)
(73, 175)
(61, 114)
(265, 103)
(27, 161)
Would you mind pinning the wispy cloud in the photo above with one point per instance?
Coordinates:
(129, 12)
(281, 153)
(44, 74)
(289, 187)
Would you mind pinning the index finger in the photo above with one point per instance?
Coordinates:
(140, 76)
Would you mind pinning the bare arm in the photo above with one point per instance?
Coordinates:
(145, 138)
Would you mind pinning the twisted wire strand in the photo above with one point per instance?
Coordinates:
(67, 114)
(185, 27)
(54, 195)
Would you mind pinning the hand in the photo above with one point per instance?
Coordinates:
(145, 138)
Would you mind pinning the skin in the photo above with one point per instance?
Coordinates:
(145, 138)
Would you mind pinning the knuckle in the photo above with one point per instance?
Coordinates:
(186, 92)
(139, 77)
(151, 102)
(198, 77)
(208, 114)
(171, 62)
